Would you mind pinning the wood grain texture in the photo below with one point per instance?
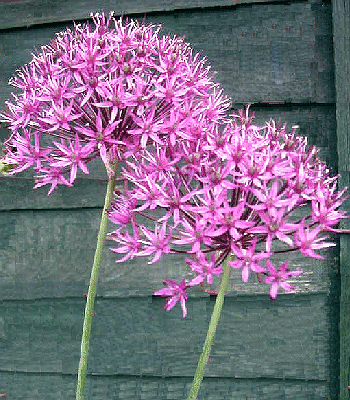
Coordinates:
(62, 387)
(287, 349)
(341, 24)
(282, 342)
(262, 53)
(50, 253)
(19, 13)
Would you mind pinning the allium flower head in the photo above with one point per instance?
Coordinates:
(238, 191)
(106, 90)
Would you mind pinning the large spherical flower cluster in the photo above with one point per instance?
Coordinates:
(236, 193)
(97, 91)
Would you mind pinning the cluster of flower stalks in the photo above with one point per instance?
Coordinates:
(216, 188)
(210, 186)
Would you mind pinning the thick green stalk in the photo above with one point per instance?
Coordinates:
(215, 316)
(92, 289)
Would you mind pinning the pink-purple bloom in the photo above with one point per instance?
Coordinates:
(175, 292)
(279, 277)
(106, 90)
(308, 241)
(204, 269)
(247, 259)
(231, 189)
(196, 181)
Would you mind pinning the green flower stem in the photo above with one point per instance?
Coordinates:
(215, 316)
(92, 288)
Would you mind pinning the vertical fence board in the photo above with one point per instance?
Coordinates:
(341, 38)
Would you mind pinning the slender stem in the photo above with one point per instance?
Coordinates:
(198, 377)
(92, 289)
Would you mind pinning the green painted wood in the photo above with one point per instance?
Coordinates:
(19, 13)
(270, 347)
(62, 387)
(288, 349)
(262, 53)
(50, 253)
(341, 26)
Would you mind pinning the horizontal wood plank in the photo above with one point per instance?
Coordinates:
(62, 387)
(19, 13)
(50, 254)
(256, 338)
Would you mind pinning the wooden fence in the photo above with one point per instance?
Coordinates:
(290, 59)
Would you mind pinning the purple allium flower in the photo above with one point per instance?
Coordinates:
(229, 189)
(274, 225)
(279, 277)
(158, 242)
(106, 90)
(175, 292)
(129, 244)
(309, 241)
(204, 269)
(248, 259)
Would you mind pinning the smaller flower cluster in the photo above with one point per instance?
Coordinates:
(237, 192)
(99, 91)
